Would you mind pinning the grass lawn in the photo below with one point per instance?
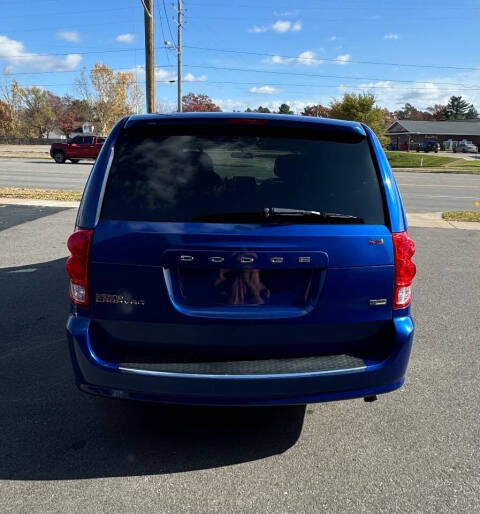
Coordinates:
(462, 216)
(413, 160)
(39, 194)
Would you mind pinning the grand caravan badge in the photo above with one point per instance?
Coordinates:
(117, 299)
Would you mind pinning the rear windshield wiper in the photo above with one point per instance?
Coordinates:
(271, 212)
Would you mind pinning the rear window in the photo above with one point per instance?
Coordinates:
(184, 174)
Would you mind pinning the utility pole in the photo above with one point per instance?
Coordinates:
(179, 57)
(149, 54)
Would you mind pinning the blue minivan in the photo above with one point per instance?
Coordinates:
(240, 259)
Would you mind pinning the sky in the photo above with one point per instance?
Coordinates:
(247, 53)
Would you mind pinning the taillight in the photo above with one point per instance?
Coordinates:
(77, 264)
(404, 249)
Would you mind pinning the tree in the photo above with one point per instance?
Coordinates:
(110, 95)
(438, 112)
(198, 103)
(258, 109)
(362, 108)
(457, 108)
(66, 122)
(37, 111)
(409, 112)
(319, 111)
(11, 95)
(387, 117)
(82, 110)
(5, 120)
(472, 113)
(285, 109)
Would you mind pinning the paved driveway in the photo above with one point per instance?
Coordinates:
(414, 450)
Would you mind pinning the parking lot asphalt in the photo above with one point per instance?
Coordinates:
(414, 450)
(422, 192)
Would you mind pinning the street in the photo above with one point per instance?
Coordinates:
(422, 192)
(414, 450)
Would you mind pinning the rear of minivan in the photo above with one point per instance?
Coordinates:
(240, 259)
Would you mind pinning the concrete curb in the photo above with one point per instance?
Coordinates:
(41, 203)
(435, 220)
(453, 171)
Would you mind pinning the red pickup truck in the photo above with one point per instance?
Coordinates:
(80, 147)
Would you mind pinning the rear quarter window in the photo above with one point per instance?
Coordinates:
(184, 174)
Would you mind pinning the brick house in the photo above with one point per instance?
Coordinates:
(408, 134)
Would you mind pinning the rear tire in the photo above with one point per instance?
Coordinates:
(59, 157)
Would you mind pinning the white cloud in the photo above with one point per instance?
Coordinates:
(190, 77)
(258, 30)
(125, 38)
(14, 53)
(391, 36)
(266, 90)
(69, 35)
(307, 58)
(280, 27)
(435, 90)
(342, 59)
(297, 106)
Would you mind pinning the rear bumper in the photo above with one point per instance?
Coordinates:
(98, 377)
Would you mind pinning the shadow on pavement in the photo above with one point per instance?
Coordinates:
(12, 215)
(51, 431)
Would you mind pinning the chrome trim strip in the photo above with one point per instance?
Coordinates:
(104, 185)
(273, 375)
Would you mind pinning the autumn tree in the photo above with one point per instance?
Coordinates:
(362, 108)
(318, 111)
(110, 95)
(387, 117)
(66, 122)
(409, 112)
(5, 120)
(82, 110)
(438, 112)
(198, 103)
(284, 109)
(11, 95)
(37, 112)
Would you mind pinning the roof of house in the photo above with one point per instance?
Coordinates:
(459, 128)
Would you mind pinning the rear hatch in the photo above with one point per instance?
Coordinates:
(241, 241)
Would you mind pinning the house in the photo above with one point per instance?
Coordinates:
(83, 127)
(79, 128)
(406, 134)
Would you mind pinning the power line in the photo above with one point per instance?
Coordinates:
(69, 13)
(327, 76)
(168, 23)
(163, 33)
(293, 57)
(280, 84)
(251, 70)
